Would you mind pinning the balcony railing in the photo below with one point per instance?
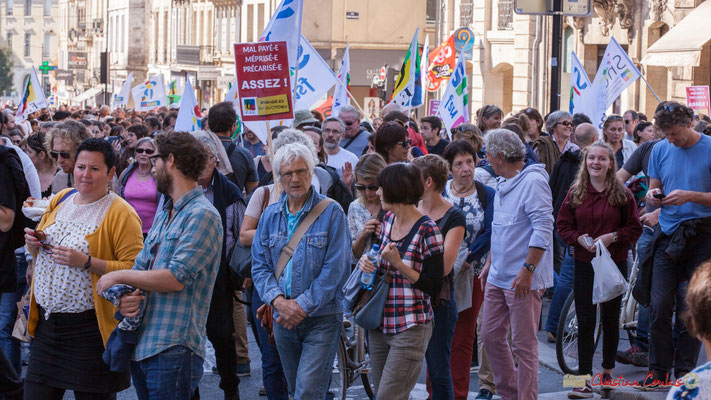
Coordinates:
(466, 14)
(195, 55)
(506, 15)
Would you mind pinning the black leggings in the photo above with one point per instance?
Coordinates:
(587, 318)
(35, 390)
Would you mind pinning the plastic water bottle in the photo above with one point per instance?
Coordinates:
(366, 280)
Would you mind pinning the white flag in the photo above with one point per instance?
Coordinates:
(340, 95)
(33, 98)
(579, 87)
(121, 99)
(454, 107)
(189, 116)
(285, 25)
(615, 73)
(420, 94)
(315, 77)
(150, 94)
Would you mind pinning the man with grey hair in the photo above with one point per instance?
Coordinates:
(355, 138)
(302, 281)
(338, 157)
(519, 267)
(226, 197)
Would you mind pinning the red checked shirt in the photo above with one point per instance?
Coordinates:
(406, 305)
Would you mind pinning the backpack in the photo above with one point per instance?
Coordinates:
(338, 190)
(481, 193)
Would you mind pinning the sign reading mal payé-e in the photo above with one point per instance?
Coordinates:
(263, 82)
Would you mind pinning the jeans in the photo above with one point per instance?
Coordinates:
(503, 311)
(8, 314)
(439, 350)
(563, 288)
(220, 327)
(307, 352)
(273, 377)
(585, 311)
(641, 340)
(172, 374)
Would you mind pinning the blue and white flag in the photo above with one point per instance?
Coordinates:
(121, 99)
(454, 107)
(579, 87)
(285, 25)
(340, 94)
(189, 116)
(615, 73)
(150, 94)
(315, 77)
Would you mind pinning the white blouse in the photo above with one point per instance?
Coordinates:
(60, 288)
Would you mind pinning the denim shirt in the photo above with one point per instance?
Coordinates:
(320, 263)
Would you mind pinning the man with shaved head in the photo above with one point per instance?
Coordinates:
(562, 177)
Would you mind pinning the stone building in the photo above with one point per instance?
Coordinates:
(29, 28)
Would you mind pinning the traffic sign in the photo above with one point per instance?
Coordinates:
(464, 42)
(572, 8)
(45, 67)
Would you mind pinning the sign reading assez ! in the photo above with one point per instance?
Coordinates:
(263, 81)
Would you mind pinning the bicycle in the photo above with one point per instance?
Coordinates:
(352, 361)
(566, 346)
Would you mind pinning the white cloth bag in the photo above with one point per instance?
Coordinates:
(609, 282)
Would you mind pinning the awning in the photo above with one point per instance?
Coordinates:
(96, 90)
(681, 46)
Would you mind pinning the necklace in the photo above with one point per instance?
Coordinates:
(454, 188)
(138, 173)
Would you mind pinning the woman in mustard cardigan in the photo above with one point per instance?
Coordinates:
(85, 233)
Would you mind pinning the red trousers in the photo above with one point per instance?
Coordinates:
(463, 343)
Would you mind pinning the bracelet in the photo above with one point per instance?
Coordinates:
(87, 265)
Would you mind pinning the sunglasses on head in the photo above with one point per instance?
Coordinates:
(614, 118)
(147, 151)
(57, 154)
(460, 128)
(372, 188)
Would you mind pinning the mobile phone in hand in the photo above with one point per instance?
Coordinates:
(588, 241)
(659, 195)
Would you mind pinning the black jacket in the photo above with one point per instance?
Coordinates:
(14, 238)
(562, 178)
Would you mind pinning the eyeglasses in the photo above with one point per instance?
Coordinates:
(287, 176)
(671, 107)
(154, 158)
(57, 154)
(349, 123)
(405, 143)
(372, 188)
(147, 151)
(460, 128)
(565, 123)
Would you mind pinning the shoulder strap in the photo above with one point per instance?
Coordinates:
(69, 193)
(445, 218)
(231, 149)
(288, 250)
(348, 143)
(265, 200)
(481, 193)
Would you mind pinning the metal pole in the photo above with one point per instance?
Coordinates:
(108, 58)
(556, 50)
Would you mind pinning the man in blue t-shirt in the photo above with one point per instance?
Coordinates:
(680, 182)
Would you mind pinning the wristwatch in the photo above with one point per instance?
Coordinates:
(87, 265)
(614, 237)
(529, 267)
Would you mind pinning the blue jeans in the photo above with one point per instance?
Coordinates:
(439, 350)
(272, 373)
(8, 314)
(642, 338)
(563, 288)
(307, 352)
(172, 374)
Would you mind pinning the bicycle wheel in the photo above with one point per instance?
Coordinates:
(566, 344)
(366, 370)
(339, 376)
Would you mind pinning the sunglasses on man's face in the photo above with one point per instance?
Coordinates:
(362, 188)
(147, 151)
(349, 123)
(57, 154)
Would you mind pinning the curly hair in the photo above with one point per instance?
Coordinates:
(189, 154)
(71, 132)
(698, 299)
(617, 194)
(670, 114)
(435, 167)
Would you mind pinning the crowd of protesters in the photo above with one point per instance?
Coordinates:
(131, 267)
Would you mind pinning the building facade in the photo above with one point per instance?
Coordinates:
(29, 28)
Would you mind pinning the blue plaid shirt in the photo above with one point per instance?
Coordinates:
(189, 246)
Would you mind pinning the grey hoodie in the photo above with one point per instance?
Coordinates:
(523, 218)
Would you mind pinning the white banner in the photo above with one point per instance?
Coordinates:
(121, 99)
(150, 94)
(189, 116)
(33, 98)
(615, 73)
(315, 77)
(454, 107)
(579, 87)
(340, 94)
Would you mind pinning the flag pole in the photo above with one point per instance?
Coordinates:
(650, 88)
(352, 97)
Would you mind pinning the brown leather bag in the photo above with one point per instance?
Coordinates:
(266, 311)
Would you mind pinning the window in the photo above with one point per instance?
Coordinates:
(47, 8)
(28, 8)
(27, 44)
(10, 6)
(122, 48)
(431, 11)
(47, 41)
(568, 43)
(505, 15)
(9, 39)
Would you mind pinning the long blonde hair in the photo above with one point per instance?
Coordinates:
(615, 191)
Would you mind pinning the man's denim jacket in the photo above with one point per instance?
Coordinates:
(320, 263)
